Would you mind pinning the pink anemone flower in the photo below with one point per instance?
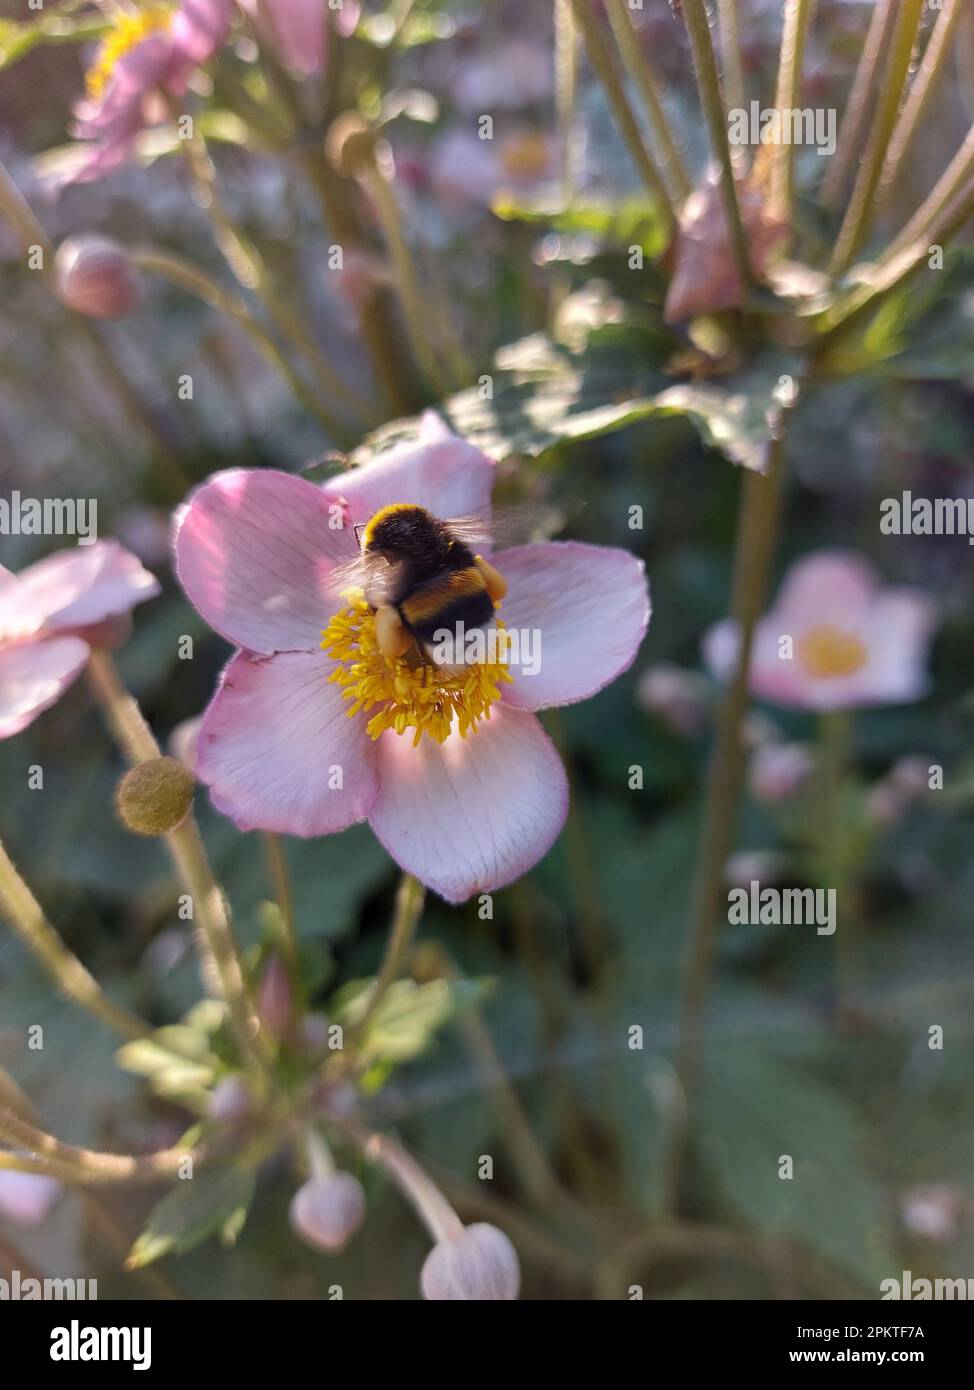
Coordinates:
(452, 769)
(50, 616)
(852, 642)
(148, 56)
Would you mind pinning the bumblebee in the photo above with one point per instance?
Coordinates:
(421, 574)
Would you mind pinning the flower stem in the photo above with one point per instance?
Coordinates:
(950, 183)
(39, 1152)
(189, 277)
(757, 531)
(410, 897)
(566, 96)
(797, 18)
(26, 917)
(922, 89)
(859, 102)
(413, 1181)
(245, 261)
(18, 213)
(730, 53)
(137, 743)
(600, 58)
(647, 79)
(708, 85)
(281, 879)
(862, 204)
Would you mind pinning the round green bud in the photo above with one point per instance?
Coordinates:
(154, 797)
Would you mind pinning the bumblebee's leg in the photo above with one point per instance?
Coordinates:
(392, 636)
(495, 581)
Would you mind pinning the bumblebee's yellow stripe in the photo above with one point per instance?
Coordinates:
(383, 514)
(435, 597)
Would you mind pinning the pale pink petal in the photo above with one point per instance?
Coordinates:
(26, 1198)
(441, 472)
(271, 741)
(33, 675)
(254, 550)
(199, 27)
(584, 608)
(898, 633)
(823, 588)
(471, 814)
(76, 588)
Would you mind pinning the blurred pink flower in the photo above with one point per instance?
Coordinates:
(150, 55)
(26, 1198)
(298, 30)
(853, 642)
(778, 771)
(255, 553)
(50, 615)
(465, 169)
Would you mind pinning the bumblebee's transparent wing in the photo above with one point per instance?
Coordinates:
(507, 525)
(376, 576)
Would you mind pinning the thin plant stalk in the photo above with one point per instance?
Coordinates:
(730, 54)
(189, 856)
(797, 21)
(950, 183)
(864, 84)
(414, 303)
(18, 213)
(247, 265)
(922, 89)
(189, 277)
(566, 95)
(708, 85)
(756, 540)
(26, 918)
(281, 879)
(412, 1180)
(600, 58)
(645, 77)
(39, 1152)
(410, 897)
(862, 204)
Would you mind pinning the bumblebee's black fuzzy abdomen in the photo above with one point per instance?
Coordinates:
(446, 601)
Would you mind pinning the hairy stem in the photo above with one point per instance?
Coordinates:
(757, 532)
(136, 741)
(712, 101)
(26, 917)
(604, 68)
(862, 204)
(415, 1184)
(924, 85)
(797, 19)
(410, 897)
(644, 75)
(860, 101)
(39, 1152)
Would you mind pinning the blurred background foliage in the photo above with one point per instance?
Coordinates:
(589, 944)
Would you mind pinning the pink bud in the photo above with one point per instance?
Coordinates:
(680, 698)
(478, 1264)
(230, 1100)
(96, 277)
(275, 998)
(779, 770)
(26, 1198)
(326, 1211)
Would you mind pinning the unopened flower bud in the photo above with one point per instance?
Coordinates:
(230, 1100)
(154, 797)
(779, 770)
(95, 277)
(326, 1211)
(26, 1198)
(680, 698)
(350, 143)
(275, 997)
(478, 1264)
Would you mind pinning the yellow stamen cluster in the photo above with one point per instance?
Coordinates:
(411, 693)
(129, 30)
(828, 652)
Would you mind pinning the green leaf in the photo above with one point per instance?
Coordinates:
(17, 40)
(544, 395)
(407, 1017)
(216, 1201)
(630, 222)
